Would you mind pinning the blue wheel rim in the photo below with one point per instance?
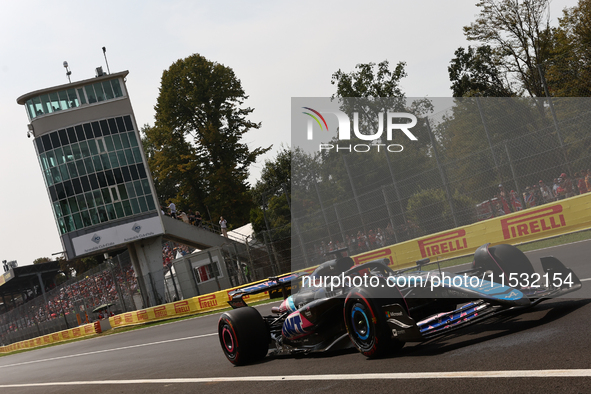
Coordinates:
(360, 332)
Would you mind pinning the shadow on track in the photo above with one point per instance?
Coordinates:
(504, 325)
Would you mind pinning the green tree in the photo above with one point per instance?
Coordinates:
(370, 81)
(200, 124)
(41, 260)
(370, 90)
(568, 72)
(430, 211)
(271, 194)
(519, 32)
(178, 176)
(477, 72)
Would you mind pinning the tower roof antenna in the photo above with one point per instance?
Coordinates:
(105, 53)
(68, 72)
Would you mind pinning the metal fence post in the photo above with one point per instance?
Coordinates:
(442, 173)
(389, 213)
(355, 194)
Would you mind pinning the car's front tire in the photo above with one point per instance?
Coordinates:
(367, 326)
(244, 336)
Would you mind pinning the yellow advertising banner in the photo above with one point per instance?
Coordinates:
(536, 223)
(65, 335)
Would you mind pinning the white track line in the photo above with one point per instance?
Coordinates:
(552, 373)
(555, 246)
(107, 350)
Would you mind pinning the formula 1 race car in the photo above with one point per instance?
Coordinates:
(378, 310)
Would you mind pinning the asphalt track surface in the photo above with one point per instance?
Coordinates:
(547, 349)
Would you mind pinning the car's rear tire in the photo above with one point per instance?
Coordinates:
(367, 326)
(244, 336)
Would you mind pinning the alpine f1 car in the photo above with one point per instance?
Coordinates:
(378, 310)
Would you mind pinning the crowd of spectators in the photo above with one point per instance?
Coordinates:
(191, 217)
(562, 187)
(172, 251)
(363, 240)
(502, 203)
(81, 297)
(92, 291)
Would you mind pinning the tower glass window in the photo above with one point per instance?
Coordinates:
(73, 98)
(96, 180)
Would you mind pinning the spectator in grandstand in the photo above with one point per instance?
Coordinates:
(224, 226)
(515, 201)
(567, 185)
(535, 190)
(558, 189)
(191, 216)
(361, 244)
(198, 219)
(530, 199)
(504, 198)
(390, 235)
(172, 209)
(547, 193)
(497, 206)
(580, 179)
(588, 181)
(371, 239)
(381, 238)
(184, 217)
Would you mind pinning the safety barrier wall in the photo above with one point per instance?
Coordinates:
(199, 304)
(549, 220)
(60, 336)
(536, 223)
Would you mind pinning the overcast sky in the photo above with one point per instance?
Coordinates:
(278, 49)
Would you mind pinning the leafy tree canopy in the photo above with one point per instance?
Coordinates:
(478, 72)
(518, 34)
(195, 148)
(271, 193)
(568, 72)
(41, 260)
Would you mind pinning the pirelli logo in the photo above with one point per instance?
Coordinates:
(378, 254)
(76, 332)
(160, 311)
(56, 336)
(208, 301)
(443, 243)
(38, 341)
(65, 335)
(532, 222)
(182, 307)
(88, 329)
(46, 339)
(142, 315)
(128, 318)
(117, 320)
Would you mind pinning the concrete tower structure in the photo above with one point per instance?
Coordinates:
(98, 181)
(96, 175)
